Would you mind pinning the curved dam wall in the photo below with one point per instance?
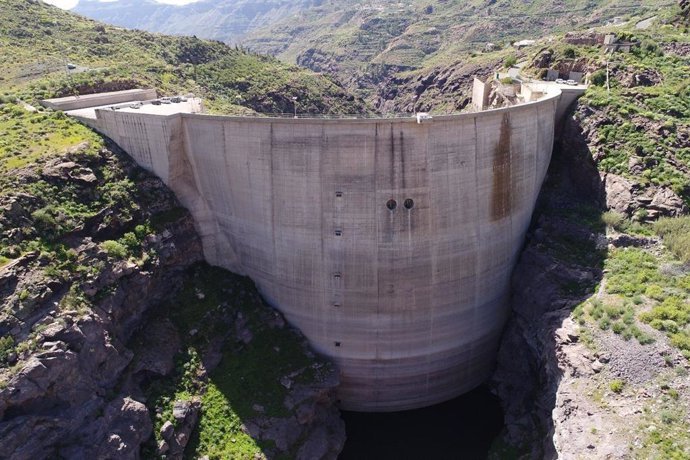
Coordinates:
(409, 301)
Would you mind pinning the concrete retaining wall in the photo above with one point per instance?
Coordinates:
(410, 303)
(92, 100)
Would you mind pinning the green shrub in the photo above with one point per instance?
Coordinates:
(655, 292)
(681, 341)
(675, 232)
(6, 347)
(141, 231)
(604, 323)
(629, 317)
(630, 271)
(666, 325)
(510, 61)
(613, 311)
(673, 308)
(617, 327)
(74, 300)
(614, 219)
(23, 295)
(131, 241)
(44, 219)
(114, 249)
(616, 386)
(596, 309)
(640, 336)
(598, 78)
(668, 416)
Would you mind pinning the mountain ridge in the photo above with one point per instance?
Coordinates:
(209, 19)
(362, 43)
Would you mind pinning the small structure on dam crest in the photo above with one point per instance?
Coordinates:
(388, 243)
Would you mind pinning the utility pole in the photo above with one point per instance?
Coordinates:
(294, 104)
(65, 63)
(608, 87)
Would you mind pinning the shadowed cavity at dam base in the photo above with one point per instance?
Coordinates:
(461, 429)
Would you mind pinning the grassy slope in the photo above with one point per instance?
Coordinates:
(211, 303)
(37, 39)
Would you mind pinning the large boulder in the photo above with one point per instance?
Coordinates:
(619, 193)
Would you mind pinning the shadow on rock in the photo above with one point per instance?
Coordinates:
(560, 267)
(244, 383)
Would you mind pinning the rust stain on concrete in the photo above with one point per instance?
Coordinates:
(502, 177)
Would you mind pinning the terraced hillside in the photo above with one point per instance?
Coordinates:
(363, 42)
(356, 40)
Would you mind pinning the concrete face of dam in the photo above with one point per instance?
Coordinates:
(388, 243)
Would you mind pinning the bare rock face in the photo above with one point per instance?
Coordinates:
(631, 77)
(667, 203)
(619, 193)
(70, 326)
(445, 88)
(125, 426)
(543, 59)
(548, 282)
(586, 38)
(528, 373)
(157, 357)
(186, 414)
(627, 196)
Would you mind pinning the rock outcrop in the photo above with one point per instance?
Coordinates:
(59, 395)
(559, 267)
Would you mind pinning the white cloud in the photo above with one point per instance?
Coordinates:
(69, 4)
(177, 2)
(64, 4)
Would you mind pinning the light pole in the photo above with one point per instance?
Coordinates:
(294, 104)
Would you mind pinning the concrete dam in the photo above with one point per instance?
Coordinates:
(388, 242)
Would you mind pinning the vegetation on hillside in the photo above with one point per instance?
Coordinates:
(39, 40)
(216, 19)
(361, 39)
(637, 119)
(249, 382)
(623, 352)
(638, 109)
